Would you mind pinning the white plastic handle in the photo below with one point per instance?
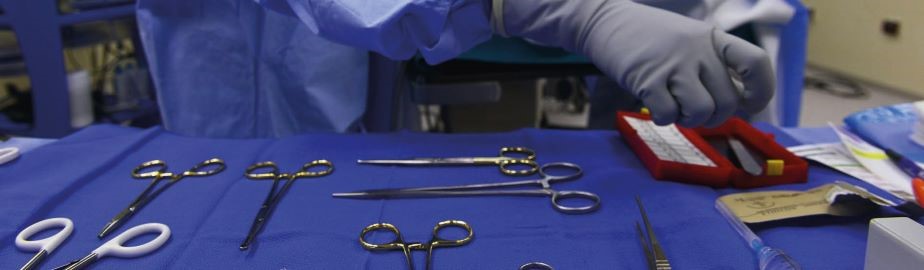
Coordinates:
(50, 243)
(114, 247)
(8, 154)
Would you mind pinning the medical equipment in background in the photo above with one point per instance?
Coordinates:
(399, 244)
(654, 254)
(691, 159)
(509, 159)
(536, 266)
(43, 29)
(79, 91)
(894, 243)
(114, 247)
(269, 170)
(157, 170)
(549, 175)
(768, 258)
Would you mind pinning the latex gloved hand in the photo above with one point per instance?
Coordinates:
(678, 67)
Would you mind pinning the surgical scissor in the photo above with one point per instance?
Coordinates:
(8, 154)
(654, 254)
(157, 170)
(271, 171)
(508, 161)
(113, 247)
(536, 266)
(399, 244)
(497, 189)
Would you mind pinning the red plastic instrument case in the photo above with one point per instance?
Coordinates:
(794, 169)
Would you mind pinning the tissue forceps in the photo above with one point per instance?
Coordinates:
(157, 170)
(399, 244)
(653, 252)
(272, 199)
(506, 161)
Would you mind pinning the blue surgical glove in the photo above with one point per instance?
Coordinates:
(679, 67)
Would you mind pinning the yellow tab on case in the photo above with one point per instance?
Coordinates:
(775, 167)
(645, 111)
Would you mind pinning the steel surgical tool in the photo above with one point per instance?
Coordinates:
(536, 266)
(114, 247)
(399, 244)
(653, 252)
(8, 154)
(43, 246)
(157, 170)
(497, 189)
(507, 161)
(269, 170)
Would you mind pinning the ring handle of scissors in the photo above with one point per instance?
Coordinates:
(536, 266)
(505, 152)
(509, 166)
(208, 167)
(115, 247)
(152, 169)
(397, 243)
(268, 168)
(442, 242)
(50, 243)
(8, 154)
(306, 170)
(558, 196)
(547, 171)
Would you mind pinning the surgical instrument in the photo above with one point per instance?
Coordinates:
(536, 266)
(506, 161)
(768, 258)
(272, 199)
(745, 158)
(498, 189)
(44, 246)
(8, 154)
(157, 170)
(116, 246)
(654, 254)
(399, 244)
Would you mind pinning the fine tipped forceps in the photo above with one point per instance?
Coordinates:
(399, 244)
(506, 161)
(271, 171)
(653, 252)
(157, 170)
(497, 189)
(115, 247)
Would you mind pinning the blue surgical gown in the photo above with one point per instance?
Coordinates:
(232, 68)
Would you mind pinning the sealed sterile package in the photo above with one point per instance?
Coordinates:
(837, 199)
